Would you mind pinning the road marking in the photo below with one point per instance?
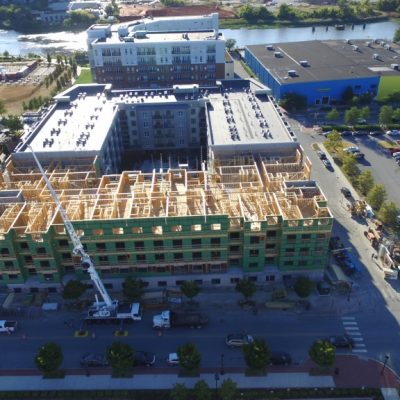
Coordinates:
(358, 339)
(360, 351)
(351, 328)
(344, 318)
(360, 345)
(349, 323)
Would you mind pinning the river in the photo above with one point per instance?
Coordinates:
(16, 43)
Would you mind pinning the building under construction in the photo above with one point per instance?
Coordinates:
(251, 210)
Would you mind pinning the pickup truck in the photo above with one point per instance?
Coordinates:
(8, 326)
(168, 319)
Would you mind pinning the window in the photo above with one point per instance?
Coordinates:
(253, 265)
(304, 250)
(254, 240)
(103, 259)
(290, 250)
(100, 246)
(160, 257)
(255, 226)
(123, 258)
(28, 259)
(118, 231)
(120, 245)
(215, 241)
(270, 278)
(41, 250)
(137, 229)
(45, 263)
(215, 227)
(254, 253)
(288, 263)
(61, 243)
(177, 243)
(9, 264)
(162, 283)
(66, 256)
(306, 236)
(196, 228)
(234, 235)
(321, 236)
(302, 263)
(5, 251)
(269, 260)
(271, 234)
(270, 246)
(196, 255)
(140, 257)
(196, 242)
(216, 255)
(158, 244)
(215, 281)
(252, 278)
(97, 232)
(176, 228)
(235, 248)
(235, 280)
(178, 256)
(139, 245)
(291, 237)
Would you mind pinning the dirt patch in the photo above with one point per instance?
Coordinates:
(138, 11)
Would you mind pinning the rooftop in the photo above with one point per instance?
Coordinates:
(327, 60)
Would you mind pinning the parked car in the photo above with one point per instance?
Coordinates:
(173, 359)
(326, 133)
(342, 341)
(144, 358)
(358, 155)
(280, 358)
(238, 339)
(327, 164)
(321, 155)
(94, 360)
(351, 149)
(376, 133)
(397, 153)
(346, 192)
(393, 132)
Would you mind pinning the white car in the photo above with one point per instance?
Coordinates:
(351, 149)
(173, 359)
(394, 132)
(394, 155)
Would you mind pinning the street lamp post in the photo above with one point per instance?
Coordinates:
(384, 364)
(216, 377)
(222, 364)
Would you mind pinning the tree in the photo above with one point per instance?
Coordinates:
(365, 112)
(202, 390)
(351, 115)
(230, 44)
(190, 289)
(385, 115)
(13, 123)
(334, 141)
(228, 390)
(293, 101)
(73, 290)
(396, 114)
(349, 166)
(332, 115)
(322, 352)
(2, 107)
(49, 358)
(396, 37)
(286, 12)
(365, 181)
(246, 288)
(48, 58)
(133, 289)
(388, 213)
(303, 286)
(189, 356)
(179, 392)
(376, 196)
(120, 356)
(256, 354)
(347, 95)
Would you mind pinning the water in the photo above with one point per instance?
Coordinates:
(16, 44)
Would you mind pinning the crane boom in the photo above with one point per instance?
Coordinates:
(86, 261)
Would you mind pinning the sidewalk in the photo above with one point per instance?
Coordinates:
(353, 372)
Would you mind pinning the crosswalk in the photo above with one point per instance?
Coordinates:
(351, 328)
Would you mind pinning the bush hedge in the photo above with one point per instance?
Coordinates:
(250, 394)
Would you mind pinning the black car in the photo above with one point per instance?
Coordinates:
(346, 192)
(342, 341)
(327, 164)
(144, 358)
(321, 155)
(93, 360)
(238, 339)
(280, 358)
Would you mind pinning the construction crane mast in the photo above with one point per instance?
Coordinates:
(108, 306)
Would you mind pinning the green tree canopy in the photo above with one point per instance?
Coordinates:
(13, 123)
(189, 356)
(190, 289)
(396, 114)
(293, 101)
(334, 141)
(246, 288)
(376, 196)
(230, 44)
(349, 166)
(396, 37)
(365, 181)
(179, 392)
(332, 115)
(120, 356)
(73, 290)
(202, 390)
(228, 390)
(2, 107)
(286, 12)
(388, 213)
(351, 115)
(303, 286)
(133, 289)
(322, 352)
(49, 358)
(365, 112)
(385, 114)
(256, 354)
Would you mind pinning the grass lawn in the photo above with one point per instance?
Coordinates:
(388, 85)
(84, 77)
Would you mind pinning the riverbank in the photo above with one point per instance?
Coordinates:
(240, 23)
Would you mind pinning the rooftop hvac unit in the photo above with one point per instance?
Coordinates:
(278, 54)
(292, 73)
(304, 63)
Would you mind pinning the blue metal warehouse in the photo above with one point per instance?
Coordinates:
(323, 70)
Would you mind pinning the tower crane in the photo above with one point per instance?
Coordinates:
(108, 307)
